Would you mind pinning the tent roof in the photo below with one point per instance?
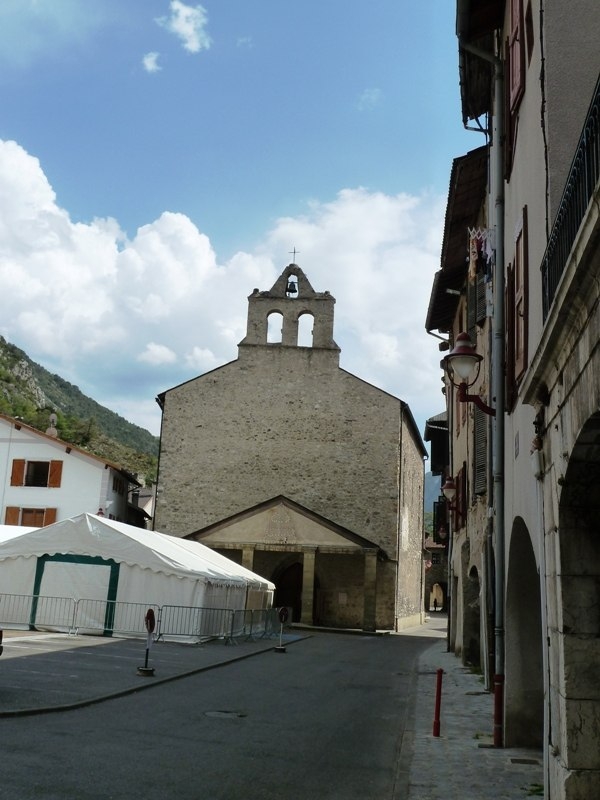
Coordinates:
(88, 534)
(11, 531)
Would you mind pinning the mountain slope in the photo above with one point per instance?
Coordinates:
(29, 391)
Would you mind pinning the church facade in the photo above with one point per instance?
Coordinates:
(299, 470)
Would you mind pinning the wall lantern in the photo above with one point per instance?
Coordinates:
(452, 504)
(449, 492)
(459, 364)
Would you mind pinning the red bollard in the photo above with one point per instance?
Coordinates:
(438, 702)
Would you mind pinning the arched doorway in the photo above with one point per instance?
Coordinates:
(472, 620)
(288, 589)
(524, 723)
(575, 631)
(436, 598)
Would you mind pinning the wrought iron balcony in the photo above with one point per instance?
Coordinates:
(579, 189)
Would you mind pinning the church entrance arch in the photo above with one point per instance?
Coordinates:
(288, 586)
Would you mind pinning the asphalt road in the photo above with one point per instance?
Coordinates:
(323, 721)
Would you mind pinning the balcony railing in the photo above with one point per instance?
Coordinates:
(579, 189)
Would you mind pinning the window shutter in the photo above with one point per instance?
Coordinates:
(476, 304)
(480, 298)
(55, 474)
(11, 515)
(17, 476)
(480, 452)
(462, 496)
(520, 300)
(49, 516)
(516, 52)
(472, 310)
(510, 337)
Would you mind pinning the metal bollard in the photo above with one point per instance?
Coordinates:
(438, 702)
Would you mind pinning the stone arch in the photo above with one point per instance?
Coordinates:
(436, 597)
(274, 327)
(576, 632)
(524, 701)
(287, 577)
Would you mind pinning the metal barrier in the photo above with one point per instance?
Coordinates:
(195, 623)
(109, 617)
(31, 611)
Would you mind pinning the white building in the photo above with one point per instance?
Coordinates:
(45, 480)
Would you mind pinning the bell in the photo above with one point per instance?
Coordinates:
(291, 288)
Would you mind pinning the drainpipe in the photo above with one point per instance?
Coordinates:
(497, 174)
(498, 392)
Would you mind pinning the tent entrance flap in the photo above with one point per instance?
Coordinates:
(92, 577)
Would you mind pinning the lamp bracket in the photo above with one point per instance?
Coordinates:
(465, 397)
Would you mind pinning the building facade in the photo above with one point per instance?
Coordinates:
(529, 73)
(298, 469)
(45, 480)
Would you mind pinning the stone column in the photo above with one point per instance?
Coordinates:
(370, 590)
(308, 586)
(248, 557)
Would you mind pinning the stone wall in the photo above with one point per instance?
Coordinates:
(292, 424)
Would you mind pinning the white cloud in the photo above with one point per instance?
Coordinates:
(369, 98)
(157, 354)
(201, 359)
(150, 62)
(126, 319)
(188, 23)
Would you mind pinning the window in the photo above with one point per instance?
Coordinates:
(515, 79)
(529, 35)
(520, 326)
(516, 55)
(460, 501)
(435, 559)
(36, 473)
(29, 517)
(517, 313)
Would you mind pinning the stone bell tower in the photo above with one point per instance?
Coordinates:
(290, 298)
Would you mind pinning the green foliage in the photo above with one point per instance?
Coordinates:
(31, 393)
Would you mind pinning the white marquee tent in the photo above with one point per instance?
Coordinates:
(97, 559)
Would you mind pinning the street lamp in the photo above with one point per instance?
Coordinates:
(449, 492)
(459, 365)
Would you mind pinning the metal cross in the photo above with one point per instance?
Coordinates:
(293, 252)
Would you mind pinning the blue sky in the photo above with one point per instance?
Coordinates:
(159, 159)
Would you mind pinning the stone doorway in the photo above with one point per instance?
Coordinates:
(288, 589)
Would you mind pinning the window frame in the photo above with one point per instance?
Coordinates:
(20, 473)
